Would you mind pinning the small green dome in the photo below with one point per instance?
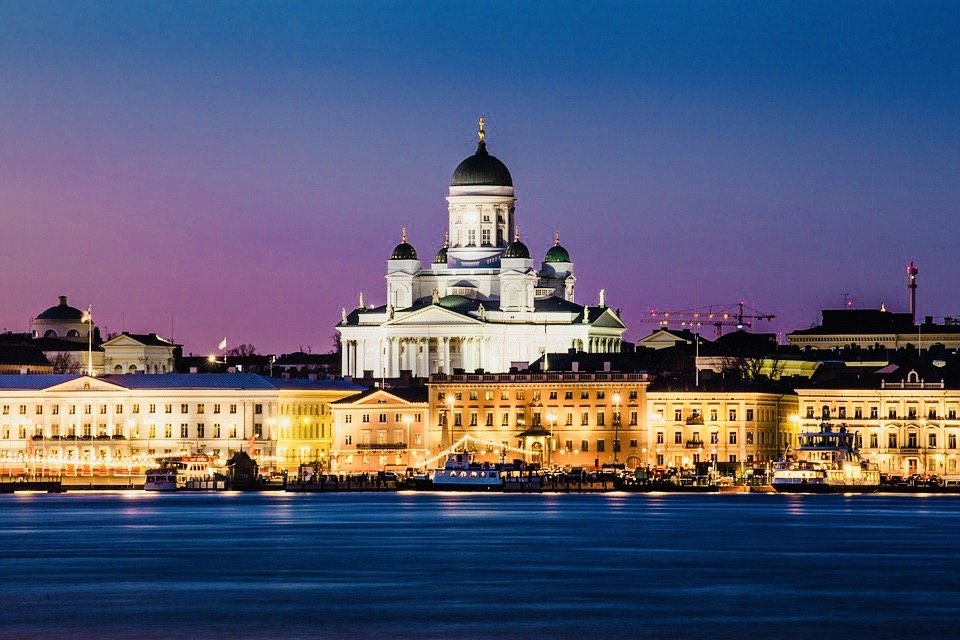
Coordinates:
(516, 249)
(441, 256)
(404, 251)
(556, 253)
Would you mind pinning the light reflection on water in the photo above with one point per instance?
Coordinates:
(434, 566)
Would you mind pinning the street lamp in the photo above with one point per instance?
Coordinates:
(449, 420)
(616, 426)
(552, 419)
(407, 420)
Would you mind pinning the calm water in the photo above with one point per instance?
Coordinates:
(463, 566)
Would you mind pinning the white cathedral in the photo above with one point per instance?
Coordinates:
(480, 304)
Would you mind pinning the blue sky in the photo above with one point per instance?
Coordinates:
(244, 169)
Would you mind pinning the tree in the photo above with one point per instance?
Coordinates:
(337, 344)
(63, 362)
(244, 350)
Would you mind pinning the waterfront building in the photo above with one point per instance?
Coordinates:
(381, 429)
(558, 419)
(119, 424)
(905, 417)
(479, 304)
(719, 422)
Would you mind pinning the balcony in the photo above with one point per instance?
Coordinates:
(694, 444)
(695, 419)
(382, 446)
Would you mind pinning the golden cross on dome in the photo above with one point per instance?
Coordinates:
(481, 133)
(403, 233)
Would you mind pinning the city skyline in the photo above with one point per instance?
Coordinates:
(210, 171)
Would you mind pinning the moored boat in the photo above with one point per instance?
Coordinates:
(182, 472)
(826, 461)
(461, 473)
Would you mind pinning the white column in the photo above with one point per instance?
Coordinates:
(446, 356)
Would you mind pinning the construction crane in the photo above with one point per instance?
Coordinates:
(737, 315)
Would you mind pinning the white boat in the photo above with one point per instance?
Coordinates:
(825, 461)
(461, 473)
(183, 472)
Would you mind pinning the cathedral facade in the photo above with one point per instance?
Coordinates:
(479, 304)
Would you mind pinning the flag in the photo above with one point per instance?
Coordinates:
(222, 345)
(87, 315)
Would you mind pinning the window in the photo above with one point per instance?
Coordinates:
(601, 419)
(505, 419)
(932, 414)
(233, 408)
(633, 395)
(103, 409)
(841, 412)
(568, 395)
(749, 437)
(874, 441)
(810, 413)
(472, 238)
(600, 446)
(633, 444)
(348, 418)
(485, 237)
(168, 431)
(458, 419)
(892, 440)
(633, 418)
(678, 414)
(258, 408)
(584, 395)
(733, 415)
(257, 430)
(584, 446)
(151, 432)
(200, 430)
(659, 459)
(348, 439)
(733, 457)
(87, 409)
(474, 395)
(184, 430)
(952, 414)
(39, 409)
(713, 415)
(912, 440)
(382, 417)
(568, 446)
(584, 419)
(911, 412)
(874, 413)
(489, 421)
(601, 395)
(168, 408)
(553, 395)
(216, 430)
(732, 437)
(952, 441)
(488, 395)
(891, 412)
(473, 418)
(857, 413)
(678, 437)
(714, 437)
(365, 418)
(184, 408)
(932, 440)
(519, 395)
(233, 432)
(749, 415)
(136, 408)
(569, 419)
(659, 437)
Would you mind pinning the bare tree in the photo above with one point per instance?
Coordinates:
(337, 345)
(242, 351)
(63, 362)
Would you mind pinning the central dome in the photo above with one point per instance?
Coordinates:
(62, 311)
(481, 169)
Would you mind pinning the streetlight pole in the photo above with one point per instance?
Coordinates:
(616, 427)
(449, 419)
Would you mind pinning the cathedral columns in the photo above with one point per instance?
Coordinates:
(446, 355)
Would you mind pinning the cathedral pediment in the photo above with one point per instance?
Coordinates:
(609, 319)
(432, 315)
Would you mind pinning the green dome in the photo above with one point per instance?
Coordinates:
(516, 249)
(404, 251)
(441, 256)
(481, 169)
(556, 253)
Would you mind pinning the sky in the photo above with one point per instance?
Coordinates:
(243, 169)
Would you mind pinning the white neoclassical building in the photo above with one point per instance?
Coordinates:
(480, 303)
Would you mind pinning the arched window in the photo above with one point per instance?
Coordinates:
(118, 369)
(73, 333)
(133, 368)
(49, 333)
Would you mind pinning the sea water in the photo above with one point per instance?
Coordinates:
(414, 565)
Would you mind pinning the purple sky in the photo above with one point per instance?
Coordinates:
(243, 169)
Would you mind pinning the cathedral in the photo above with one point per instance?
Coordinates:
(479, 304)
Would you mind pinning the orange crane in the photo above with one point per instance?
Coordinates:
(737, 315)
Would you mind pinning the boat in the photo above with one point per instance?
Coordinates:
(182, 472)
(461, 473)
(826, 461)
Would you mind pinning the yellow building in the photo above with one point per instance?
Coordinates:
(704, 425)
(905, 424)
(554, 419)
(381, 429)
(305, 422)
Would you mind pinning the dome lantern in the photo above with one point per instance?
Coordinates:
(404, 250)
